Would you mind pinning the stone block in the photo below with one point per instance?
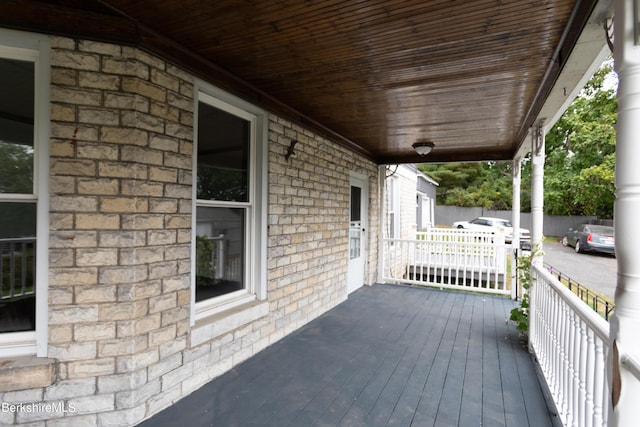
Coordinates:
(134, 362)
(162, 336)
(165, 365)
(125, 417)
(146, 89)
(95, 80)
(94, 331)
(88, 420)
(75, 60)
(122, 346)
(60, 295)
(122, 239)
(163, 206)
(122, 170)
(141, 155)
(124, 204)
(140, 120)
(23, 373)
(97, 221)
(164, 143)
(123, 310)
(73, 167)
(132, 398)
(124, 135)
(76, 96)
(63, 113)
(72, 314)
(122, 275)
(141, 188)
(180, 161)
(162, 302)
(72, 276)
(122, 382)
(97, 186)
(165, 111)
(93, 404)
(125, 67)
(98, 116)
(72, 239)
(138, 291)
(163, 174)
(60, 333)
(91, 368)
(142, 255)
(96, 151)
(73, 203)
(73, 351)
(142, 222)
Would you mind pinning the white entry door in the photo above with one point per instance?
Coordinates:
(357, 229)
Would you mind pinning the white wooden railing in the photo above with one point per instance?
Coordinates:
(570, 342)
(449, 258)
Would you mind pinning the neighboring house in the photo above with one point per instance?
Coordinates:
(173, 238)
(409, 205)
(410, 201)
(426, 200)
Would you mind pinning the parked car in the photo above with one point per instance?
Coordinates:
(481, 223)
(591, 238)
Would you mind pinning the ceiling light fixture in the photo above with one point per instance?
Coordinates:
(423, 147)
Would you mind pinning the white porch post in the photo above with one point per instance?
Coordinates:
(537, 190)
(515, 221)
(382, 220)
(625, 323)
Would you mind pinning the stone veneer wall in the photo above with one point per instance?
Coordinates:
(119, 281)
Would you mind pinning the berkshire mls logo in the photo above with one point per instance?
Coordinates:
(49, 407)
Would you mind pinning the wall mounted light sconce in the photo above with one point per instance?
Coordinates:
(423, 147)
(290, 149)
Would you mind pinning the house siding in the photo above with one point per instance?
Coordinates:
(121, 159)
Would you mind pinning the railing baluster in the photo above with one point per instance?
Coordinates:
(574, 339)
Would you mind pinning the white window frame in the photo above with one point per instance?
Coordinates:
(255, 219)
(34, 48)
(394, 208)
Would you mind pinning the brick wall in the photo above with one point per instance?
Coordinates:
(120, 241)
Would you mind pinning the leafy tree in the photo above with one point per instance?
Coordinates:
(580, 148)
(579, 166)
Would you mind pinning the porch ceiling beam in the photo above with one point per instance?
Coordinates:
(469, 155)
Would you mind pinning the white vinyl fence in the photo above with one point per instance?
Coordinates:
(570, 341)
(449, 258)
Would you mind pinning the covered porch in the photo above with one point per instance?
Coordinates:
(391, 355)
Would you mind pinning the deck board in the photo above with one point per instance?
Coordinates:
(390, 355)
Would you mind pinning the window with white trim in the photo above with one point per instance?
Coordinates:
(23, 206)
(228, 205)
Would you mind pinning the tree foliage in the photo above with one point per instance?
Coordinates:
(579, 167)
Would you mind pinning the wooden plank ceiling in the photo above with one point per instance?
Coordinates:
(377, 76)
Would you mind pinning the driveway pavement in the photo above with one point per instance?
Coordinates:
(595, 271)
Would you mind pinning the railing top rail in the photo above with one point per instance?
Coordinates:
(450, 242)
(18, 239)
(593, 320)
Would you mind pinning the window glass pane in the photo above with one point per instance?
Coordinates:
(17, 220)
(356, 196)
(16, 126)
(223, 155)
(220, 251)
(17, 266)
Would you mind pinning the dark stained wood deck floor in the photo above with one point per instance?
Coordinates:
(389, 356)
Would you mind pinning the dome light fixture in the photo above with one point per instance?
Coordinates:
(423, 147)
